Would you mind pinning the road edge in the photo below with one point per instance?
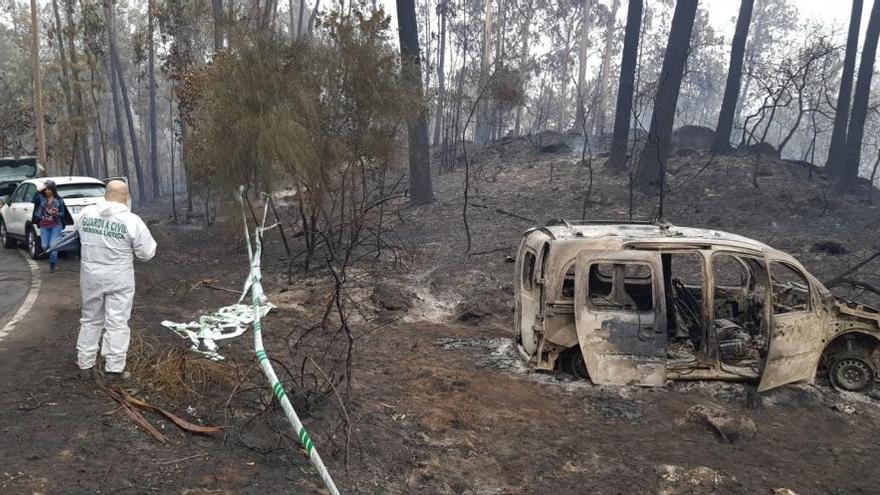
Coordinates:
(28, 303)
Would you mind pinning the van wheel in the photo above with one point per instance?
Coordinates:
(573, 360)
(33, 244)
(852, 371)
(8, 242)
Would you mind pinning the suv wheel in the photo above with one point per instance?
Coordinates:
(33, 244)
(8, 242)
(852, 371)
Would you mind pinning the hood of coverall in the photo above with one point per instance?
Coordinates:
(111, 208)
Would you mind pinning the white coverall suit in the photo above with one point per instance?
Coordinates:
(110, 237)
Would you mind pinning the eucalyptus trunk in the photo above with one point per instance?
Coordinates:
(837, 148)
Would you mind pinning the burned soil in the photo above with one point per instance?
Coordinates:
(439, 400)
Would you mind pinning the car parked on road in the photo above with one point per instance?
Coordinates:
(15, 216)
(641, 304)
(14, 170)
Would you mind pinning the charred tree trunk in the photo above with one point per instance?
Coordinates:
(586, 20)
(523, 60)
(652, 165)
(65, 83)
(91, 167)
(602, 90)
(217, 13)
(623, 112)
(151, 80)
(420, 188)
(856, 129)
(116, 68)
(117, 114)
(481, 134)
(40, 123)
(837, 148)
(441, 75)
(302, 15)
(290, 11)
(734, 78)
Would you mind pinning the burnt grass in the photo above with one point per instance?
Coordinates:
(439, 401)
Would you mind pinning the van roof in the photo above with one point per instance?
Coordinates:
(646, 233)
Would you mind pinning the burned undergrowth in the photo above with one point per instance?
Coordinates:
(410, 341)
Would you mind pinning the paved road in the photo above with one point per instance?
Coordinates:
(15, 280)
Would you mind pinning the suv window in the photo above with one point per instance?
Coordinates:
(77, 191)
(791, 291)
(24, 193)
(627, 286)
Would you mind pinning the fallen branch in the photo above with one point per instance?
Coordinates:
(128, 403)
(135, 416)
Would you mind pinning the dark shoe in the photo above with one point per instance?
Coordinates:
(117, 377)
(51, 267)
(85, 375)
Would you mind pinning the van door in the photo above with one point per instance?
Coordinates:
(795, 327)
(530, 278)
(620, 313)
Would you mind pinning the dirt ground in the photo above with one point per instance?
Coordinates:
(440, 401)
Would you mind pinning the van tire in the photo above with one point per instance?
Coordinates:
(573, 363)
(852, 371)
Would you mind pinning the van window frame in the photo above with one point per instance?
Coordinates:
(600, 309)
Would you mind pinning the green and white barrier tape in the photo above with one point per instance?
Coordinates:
(259, 301)
(228, 322)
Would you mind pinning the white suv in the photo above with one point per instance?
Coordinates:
(15, 216)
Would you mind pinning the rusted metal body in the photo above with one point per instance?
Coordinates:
(620, 299)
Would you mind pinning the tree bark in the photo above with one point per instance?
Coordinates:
(116, 68)
(734, 78)
(856, 130)
(91, 169)
(290, 5)
(586, 20)
(523, 60)
(302, 15)
(602, 90)
(217, 13)
(837, 148)
(151, 80)
(626, 86)
(42, 159)
(65, 85)
(117, 114)
(652, 165)
(441, 75)
(123, 89)
(420, 188)
(481, 134)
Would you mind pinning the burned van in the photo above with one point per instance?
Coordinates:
(642, 304)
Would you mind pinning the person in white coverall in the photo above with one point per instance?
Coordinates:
(111, 236)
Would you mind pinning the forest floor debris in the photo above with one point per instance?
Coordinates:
(463, 413)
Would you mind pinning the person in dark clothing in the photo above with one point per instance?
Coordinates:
(50, 216)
